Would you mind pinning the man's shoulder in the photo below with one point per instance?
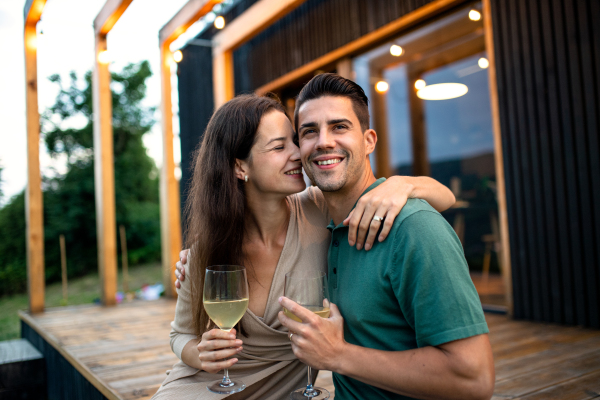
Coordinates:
(416, 209)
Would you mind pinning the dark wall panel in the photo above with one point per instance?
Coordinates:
(548, 65)
(312, 30)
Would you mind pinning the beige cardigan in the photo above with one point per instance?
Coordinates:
(267, 364)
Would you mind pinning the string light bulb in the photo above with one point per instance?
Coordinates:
(382, 87)
(178, 56)
(420, 84)
(104, 57)
(474, 15)
(483, 63)
(396, 50)
(220, 22)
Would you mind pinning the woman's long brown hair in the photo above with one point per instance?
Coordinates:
(216, 202)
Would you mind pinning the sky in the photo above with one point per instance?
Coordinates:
(67, 44)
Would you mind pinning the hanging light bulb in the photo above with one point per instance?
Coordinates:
(220, 22)
(104, 57)
(442, 91)
(483, 63)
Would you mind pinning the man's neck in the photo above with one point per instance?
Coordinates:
(340, 202)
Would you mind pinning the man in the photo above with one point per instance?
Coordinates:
(406, 321)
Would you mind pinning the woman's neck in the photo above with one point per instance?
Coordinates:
(267, 219)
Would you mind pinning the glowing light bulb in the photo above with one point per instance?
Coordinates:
(382, 87)
(420, 84)
(396, 50)
(104, 57)
(220, 22)
(483, 63)
(443, 91)
(178, 56)
(474, 15)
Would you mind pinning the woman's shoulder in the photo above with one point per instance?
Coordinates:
(310, 200)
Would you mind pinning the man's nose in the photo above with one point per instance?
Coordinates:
(325, 140)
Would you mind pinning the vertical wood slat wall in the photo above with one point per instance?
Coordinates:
(548, 67)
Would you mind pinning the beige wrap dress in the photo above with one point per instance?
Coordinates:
(267, 364)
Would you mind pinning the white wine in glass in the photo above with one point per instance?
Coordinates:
(225, 300)
(309, 289)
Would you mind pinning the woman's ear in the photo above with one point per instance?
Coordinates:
(241, 169)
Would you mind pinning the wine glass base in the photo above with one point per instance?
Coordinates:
(316, 394)
(218, 387)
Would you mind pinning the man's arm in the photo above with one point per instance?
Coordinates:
(461, 369)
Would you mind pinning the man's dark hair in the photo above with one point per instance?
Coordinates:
(334, 85)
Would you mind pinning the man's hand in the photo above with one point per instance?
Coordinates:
(316, 341)
(179, 270)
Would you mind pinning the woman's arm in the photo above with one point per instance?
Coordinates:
(386, 201)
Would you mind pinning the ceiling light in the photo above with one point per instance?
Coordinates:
(396, 50)
(442, 91)
(420, 84)
(178, 56)
(483, 63)
(220, 22)
(474, 15)
(382, 87)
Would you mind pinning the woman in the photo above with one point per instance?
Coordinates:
(247, 206)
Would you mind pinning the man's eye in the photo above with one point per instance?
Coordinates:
(340, 127)
(307, 131)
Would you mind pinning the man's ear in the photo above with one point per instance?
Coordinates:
(370, 138)
(240, 169)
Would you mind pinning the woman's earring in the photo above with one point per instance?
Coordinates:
(246, 178)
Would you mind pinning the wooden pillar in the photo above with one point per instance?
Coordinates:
(383, 169)
(223, 85)
(498, 156)
(106, 224)
(34, 209)
(417, 127)
(344, 68)
(170, 218)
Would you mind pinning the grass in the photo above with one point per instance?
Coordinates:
(82, 290)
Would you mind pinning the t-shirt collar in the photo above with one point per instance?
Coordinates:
(378, 182)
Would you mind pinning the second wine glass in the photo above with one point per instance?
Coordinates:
(309, 289)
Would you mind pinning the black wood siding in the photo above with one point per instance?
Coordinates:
(548, 64)
(312, 30)
(64, 381)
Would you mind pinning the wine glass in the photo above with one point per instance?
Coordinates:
(309, 289)
(225, 300)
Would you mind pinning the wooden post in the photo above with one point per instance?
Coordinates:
(106, 224)
(223, 86)
(34, 208)
(498, 156)
(63, 269)
(104, 177)
(170, 219)
(124, 260)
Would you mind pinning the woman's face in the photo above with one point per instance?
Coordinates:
(274, 164)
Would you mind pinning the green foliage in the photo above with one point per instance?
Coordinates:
(69, 199)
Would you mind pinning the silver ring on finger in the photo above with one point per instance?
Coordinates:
(376, 218)
(290, 336)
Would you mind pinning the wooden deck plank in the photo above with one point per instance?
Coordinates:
(126, 350)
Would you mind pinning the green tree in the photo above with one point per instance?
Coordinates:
(69, 198)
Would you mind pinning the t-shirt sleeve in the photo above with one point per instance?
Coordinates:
(432, 283)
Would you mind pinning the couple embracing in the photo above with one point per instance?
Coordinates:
(406, 321)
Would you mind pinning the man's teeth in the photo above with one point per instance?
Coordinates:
(327, 162)
(294, 172)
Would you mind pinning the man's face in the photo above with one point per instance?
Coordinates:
(333, 147)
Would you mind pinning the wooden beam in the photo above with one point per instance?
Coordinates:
(254, 20)
(170, 217)
(498, 156)
(191, 12)
(106, 223)
(223, 85)
(362, 43)
(34, 208)
(109, 15)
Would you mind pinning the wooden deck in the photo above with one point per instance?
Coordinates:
(124, 351)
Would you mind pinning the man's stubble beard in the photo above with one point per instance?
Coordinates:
(331, 184)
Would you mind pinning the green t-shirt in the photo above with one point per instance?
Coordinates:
(412, 290)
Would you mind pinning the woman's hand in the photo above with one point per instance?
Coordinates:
(179, 270)
(386, 201)
(215, 347)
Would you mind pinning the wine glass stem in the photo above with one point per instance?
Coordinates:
(310, 391)
(226, 382)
